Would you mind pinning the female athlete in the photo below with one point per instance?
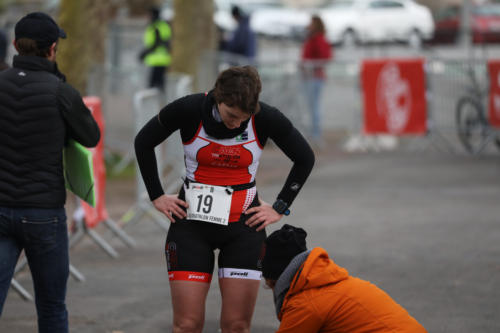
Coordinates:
(223, 134)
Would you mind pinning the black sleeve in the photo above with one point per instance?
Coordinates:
(275, 125)
(80, 124)
(151, 135)
(176, 115)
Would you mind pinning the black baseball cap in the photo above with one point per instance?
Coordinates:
(39, 27)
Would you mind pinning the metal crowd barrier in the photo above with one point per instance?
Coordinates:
(447, 80)
(170, 154)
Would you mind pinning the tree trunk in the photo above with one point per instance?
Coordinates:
(85, 23)
(73, 54)
(193, 33)
(141, 7)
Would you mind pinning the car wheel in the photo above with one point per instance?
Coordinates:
(349, 39)
(415, 39)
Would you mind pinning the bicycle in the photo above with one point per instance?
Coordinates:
(474, 129)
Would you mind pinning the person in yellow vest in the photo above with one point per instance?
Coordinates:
(156, 53)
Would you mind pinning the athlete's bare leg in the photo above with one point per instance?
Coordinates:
(188, 302)
(238, 302)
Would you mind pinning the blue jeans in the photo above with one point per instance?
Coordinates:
(43, 235)
(313, 88)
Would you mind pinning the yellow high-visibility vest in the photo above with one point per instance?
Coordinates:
(160, 55)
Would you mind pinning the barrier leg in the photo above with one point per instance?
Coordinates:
(133, 215)
(102, 243)
(138, 212)
(126, 160)
(157, 217)
(76, 274)
(446, 145)
(21, 291)
(77, 234)
(80, 229)
(437, 139)
(73, 271)
(120, 233)
(20, 265)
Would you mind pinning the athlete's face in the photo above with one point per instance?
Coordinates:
(232, 116)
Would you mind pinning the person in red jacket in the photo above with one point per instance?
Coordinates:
(315, 52)
(313, 294)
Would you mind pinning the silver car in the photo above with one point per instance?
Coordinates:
(362, 21)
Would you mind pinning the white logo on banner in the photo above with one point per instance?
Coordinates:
(393, 98)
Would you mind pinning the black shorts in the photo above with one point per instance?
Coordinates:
(190, 249)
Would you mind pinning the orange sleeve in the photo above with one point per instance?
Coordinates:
(300, 319)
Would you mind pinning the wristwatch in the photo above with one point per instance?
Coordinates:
(281, 207)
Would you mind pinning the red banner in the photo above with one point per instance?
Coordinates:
(93, 216)
(394, 96)
(494, 98)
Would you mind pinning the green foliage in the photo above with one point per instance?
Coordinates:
(4, 4)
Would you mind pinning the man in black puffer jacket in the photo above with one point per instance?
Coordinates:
(39, 112)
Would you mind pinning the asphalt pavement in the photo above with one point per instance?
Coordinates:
(423, 226)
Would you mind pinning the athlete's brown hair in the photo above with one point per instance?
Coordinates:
(240, 87)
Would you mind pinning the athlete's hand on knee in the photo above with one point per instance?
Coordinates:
(170, 205)
(263, 216)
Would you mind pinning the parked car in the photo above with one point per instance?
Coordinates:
(484, 24)
(223, 18)
(280, 21)
(366, 21)
(222, 10)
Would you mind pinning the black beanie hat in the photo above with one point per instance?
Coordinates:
(281, 246)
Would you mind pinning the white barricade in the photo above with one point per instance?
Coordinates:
(169, 155)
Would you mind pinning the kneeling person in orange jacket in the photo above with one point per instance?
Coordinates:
(313, 294)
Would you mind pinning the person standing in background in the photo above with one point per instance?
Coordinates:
(243, 42)
(156, 53)
(315, 53)
(39, 112)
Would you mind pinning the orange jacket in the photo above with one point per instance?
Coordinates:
(324, 298)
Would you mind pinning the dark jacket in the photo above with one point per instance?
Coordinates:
(38, 113)
(243, 41)
(314, 294)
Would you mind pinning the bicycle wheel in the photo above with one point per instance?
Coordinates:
(471, 124)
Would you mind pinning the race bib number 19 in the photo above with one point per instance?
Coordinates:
(208, 203)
